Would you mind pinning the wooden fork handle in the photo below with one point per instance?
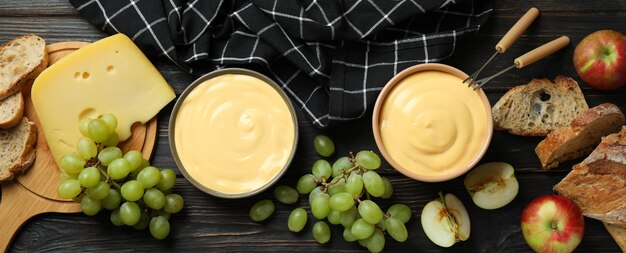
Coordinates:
(516, 30)
(541, 52)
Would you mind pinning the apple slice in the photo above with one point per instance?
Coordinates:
(445, 221)
(492, 185)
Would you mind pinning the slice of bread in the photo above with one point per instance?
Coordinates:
(21, 60)
(539, 107)
(598, 184)
(11, 110)
(581, 137)
(17, 152)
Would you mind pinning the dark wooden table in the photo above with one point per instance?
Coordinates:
(219, 225)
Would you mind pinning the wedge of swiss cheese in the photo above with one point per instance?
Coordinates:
(109, 76)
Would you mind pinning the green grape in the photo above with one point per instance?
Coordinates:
(86, 148)
(90, 206)
(342, 164)
(144, 221)
(286, 195)
(89, 177)
(164, 214)
(174, 203)
(320, 207)
(370, 212)
(376, 243)
(315, 192)
(306, 184)
(154, 198)
(149, 177)
(100, 191)
(113, 200)
(334, 217)
(388, 188)
(168, 179)
(112, 140)
(98, 130)
(339, 185)
(361, 229)
(132, 190)
(83, 126)
(348, 236)
(382, 225)
(110, 120)
(401, 212)
(135, 158)
(323, 145)
(374, 185)
(108, 154)
(341, 201)
(354, 185)
(396, 229)
(118, 168)
(297, 220)
(72, 163)
(159, 227)
(321, 232)
(144, 164)
(69, 188)
(65, 176)
(367, 159)
(348, 217)
(262, 210)
(116, 219)
(364, 242)
(321, 169)
(130, 213)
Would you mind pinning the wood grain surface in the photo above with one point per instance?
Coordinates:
(209, 224)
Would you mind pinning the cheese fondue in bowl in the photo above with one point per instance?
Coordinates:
(429, 125)
(233, 133)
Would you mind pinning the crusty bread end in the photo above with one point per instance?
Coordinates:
(19, 152)
(21, 61)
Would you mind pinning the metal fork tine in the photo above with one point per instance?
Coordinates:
(473, 77)
(485, 80)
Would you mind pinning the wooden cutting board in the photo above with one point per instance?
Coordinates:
(35, 192)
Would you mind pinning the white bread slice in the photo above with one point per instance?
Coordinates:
(11, 110)
(597, 184)
(539, 107)
(17, 149)
(581, 137)
(21, 61)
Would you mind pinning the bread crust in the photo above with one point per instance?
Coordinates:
(503, 107)
(547, 148)
(18, 114)
(27, 156)
(598, 183)
(29, 75)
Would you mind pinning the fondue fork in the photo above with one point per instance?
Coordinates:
(511, 36)
(528, 58)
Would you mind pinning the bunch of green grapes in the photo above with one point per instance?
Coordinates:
(99, 176)
(343, 193)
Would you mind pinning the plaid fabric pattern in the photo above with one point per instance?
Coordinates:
(332, 57)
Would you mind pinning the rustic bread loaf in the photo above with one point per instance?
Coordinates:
(11, 110)
(598, 184)
(21, 60)
(581, 137)
(539, 107)
(17, 149)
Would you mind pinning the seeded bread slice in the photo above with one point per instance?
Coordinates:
(597, 184)
(11, 110)
(539, 107)
(21, 61)
(581, 137)
(17, 149)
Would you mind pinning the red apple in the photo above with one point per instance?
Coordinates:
(600, 60)
(552, 223)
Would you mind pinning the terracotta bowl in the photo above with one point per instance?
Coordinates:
(434, 177)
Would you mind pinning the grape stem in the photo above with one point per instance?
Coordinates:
(108, 179)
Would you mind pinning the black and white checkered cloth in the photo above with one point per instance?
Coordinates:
(332, 57)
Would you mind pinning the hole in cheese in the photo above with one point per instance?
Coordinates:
(77, 75)
(87, 113)
(85, 75)
(110, 68)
